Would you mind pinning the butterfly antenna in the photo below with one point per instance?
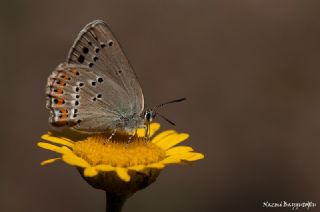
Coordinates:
(162, 116)
(163, 104)
(166, 103)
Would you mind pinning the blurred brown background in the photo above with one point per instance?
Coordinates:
(250, 70)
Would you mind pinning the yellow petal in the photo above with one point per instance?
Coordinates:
(156, 166)
(123, 174)
(195, 156)
(153, 128)
(45, 162)
(104, 168)
(190, 156)
(172, 140)
(179, 158)
(54, 148)
(163, 135)
(74, 160)
(178, 150)
(137, 168)
(90, 172)
(62, 141)
(171, 160)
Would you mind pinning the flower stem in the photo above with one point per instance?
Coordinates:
(115, 202)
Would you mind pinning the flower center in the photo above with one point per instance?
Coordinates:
(96, 150)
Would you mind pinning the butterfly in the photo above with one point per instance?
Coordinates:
(96, 89)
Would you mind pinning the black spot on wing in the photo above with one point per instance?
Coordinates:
(100, 79)
(81, 59)
(85, 50)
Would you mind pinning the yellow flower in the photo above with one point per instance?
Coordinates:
(117, 166)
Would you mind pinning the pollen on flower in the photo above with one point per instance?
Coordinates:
(96, 150)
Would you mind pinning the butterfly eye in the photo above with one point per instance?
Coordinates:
(148, 116)
(110, 43)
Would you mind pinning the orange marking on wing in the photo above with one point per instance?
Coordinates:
(64, 76)
(63, 110)
(58, 91)
(63, 117)
(59, 101)
(61, 83)
(74, 71)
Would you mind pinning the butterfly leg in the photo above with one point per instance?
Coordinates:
(146, 133)
(130, 139)
(131, 136)
(112, 134)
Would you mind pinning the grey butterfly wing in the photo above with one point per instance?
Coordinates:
(97, 48)
(75, 99)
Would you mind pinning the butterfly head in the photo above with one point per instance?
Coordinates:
(149, 115)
